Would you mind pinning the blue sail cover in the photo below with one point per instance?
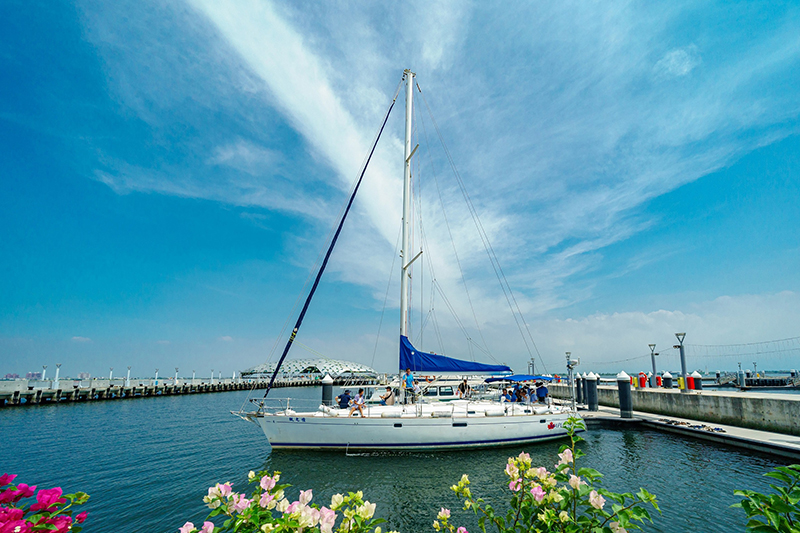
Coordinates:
(418, 361)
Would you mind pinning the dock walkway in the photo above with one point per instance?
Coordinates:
(752, 439)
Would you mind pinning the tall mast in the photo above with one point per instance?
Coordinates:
(405, 252)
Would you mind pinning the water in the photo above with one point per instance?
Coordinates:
(147, 464)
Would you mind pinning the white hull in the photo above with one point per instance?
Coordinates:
(459, 424)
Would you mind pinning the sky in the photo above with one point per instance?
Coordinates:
(172, 170)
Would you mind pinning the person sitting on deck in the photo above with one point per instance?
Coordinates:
(521, 396)
(358, 403)
(417, 390)
(508, 396)
(388, 398)
(541, 393)
(344, 399)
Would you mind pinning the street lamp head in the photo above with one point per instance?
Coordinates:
(652, 346)
(680, 336)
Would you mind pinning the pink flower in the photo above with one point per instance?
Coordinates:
(61, 522)
(443, 514)
(525, 457)
(267, 483)
(188, 527)
(566, 457)
(81, 517)
(327, 517)
(515, 485)
(293, 507)
(10, 514)
(48, 498)
(541, 472)
(462, 529)
(239, 503)
(596, 500)
(575, 482)
(511, 470)
(538, 493)
(208, 527)
(17, 526)
(305, 496)
(266, 499)
(6, 479)
(225, 490)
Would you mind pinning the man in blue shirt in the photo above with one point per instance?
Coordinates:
(541, 393)
(344, 400)
(408, 383)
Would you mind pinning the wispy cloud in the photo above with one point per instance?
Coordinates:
(225, 338)
(81, 339)
(563, 128)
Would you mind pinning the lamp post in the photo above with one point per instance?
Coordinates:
(156, 377)
(571, 363)
(110, 375)
(176, 376)
(55, 382)
(44, 371)
(680, 337)
(128, 378)
(212, 376)
(193, 373)
(653, 355)
(755, 368)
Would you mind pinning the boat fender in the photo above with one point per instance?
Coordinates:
(395, 414)
(441, 414)
(495, 412)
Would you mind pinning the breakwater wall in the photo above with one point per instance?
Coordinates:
(766, 412)
(22, 392)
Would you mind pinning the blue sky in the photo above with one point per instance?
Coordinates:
(171, 171)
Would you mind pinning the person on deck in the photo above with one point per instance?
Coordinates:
(388, 398)
(344, 399)
(358, 403)
(464, 390)
(417, 390)
(541, 393)
(408, 384)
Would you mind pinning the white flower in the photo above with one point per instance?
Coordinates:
(367, 510)
(282, 505)
(616, 528)
(596, 500)
(336, 501)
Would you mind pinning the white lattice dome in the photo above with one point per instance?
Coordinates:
(314, 366)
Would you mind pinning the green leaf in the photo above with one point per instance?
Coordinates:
(779, 476)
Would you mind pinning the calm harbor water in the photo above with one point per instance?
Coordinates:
(147, 464)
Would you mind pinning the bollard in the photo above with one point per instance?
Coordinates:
(689, 382)
(658, 381)
(718, 375)
(681, 383)
(642, 380)
(327, 390)
(625, 396)
(652, 380)
(698, 380)
(667, 378)
(591, 391)
(582, 385)
(742, 379)
(585, 388)
(578, 389)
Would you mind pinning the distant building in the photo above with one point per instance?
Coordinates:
(33, 375)
(12, 376)
(295, 367)
(84, 375)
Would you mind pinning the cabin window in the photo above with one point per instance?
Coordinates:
(431, 391)
(446, 391)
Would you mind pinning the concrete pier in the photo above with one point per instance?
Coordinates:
(763, 411)
(34, 392)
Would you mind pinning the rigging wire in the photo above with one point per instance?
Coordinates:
(453, 242)
(508, 293)
(386, 296)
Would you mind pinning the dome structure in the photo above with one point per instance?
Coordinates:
(333, 367)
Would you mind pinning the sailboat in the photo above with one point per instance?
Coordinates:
(456, 424)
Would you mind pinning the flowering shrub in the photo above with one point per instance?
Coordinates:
(774, 513)
(47, 514)
(268, 510)
(564, 500)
